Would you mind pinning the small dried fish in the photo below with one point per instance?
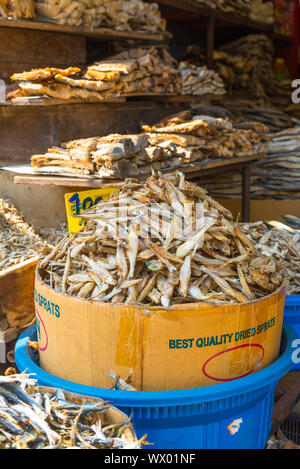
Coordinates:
(34, 417)
(201, 256)
(281, 245)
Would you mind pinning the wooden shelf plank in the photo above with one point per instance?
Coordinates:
(158, 97)
(206, 12)
(191, 170)
(99, 33)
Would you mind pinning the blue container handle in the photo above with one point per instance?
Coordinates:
(250, 383)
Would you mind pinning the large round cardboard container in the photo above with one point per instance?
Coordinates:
(186, 346)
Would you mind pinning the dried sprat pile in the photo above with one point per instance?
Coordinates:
(200, 80)
(162, 242)
(33, 417)
(52, 236)
(280, 245)
(123, 15)
(131, 72)
(18, 241)
(17, 9)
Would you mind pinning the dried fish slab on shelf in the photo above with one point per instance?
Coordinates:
(198, 81)
(123, 15)
(38, 417)
(212, 137)
(175, 141)
(161, 242)
(246, 64)
(132, 72)
(17, 9)
(279, 173)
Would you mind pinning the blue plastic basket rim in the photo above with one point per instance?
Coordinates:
(292, 300)
(229, 389)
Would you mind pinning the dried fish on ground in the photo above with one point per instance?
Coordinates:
(278, 244)
(18, 241)
(37, 417)
(161, 242)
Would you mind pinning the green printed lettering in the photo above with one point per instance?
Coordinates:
(212, 341)
(172, 343)
(199, 342)
(57, 311)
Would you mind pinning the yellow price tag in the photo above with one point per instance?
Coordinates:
(77, 202)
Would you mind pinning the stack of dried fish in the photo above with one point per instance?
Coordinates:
(177, 140)
(17, 9)
(245, 110)
(246, 65)
(240, 7)
(42, 82)
(18, 241)
(123, 15)
(254, 54)
(203, 136)
(34, 417)
(275, 177)
(163, 242)
(279, 244)
(278, 176)
(262, 11)
(138, 71)
(132, 72)
(200, 80)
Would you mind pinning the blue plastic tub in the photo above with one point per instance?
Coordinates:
(192, 418)
(292, 316)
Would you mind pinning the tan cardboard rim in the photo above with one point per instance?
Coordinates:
(159, 308)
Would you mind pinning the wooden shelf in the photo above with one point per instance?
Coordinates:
(99, 33)
(192, 170)
(282, 38)
(199, 11)
(132, 97)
